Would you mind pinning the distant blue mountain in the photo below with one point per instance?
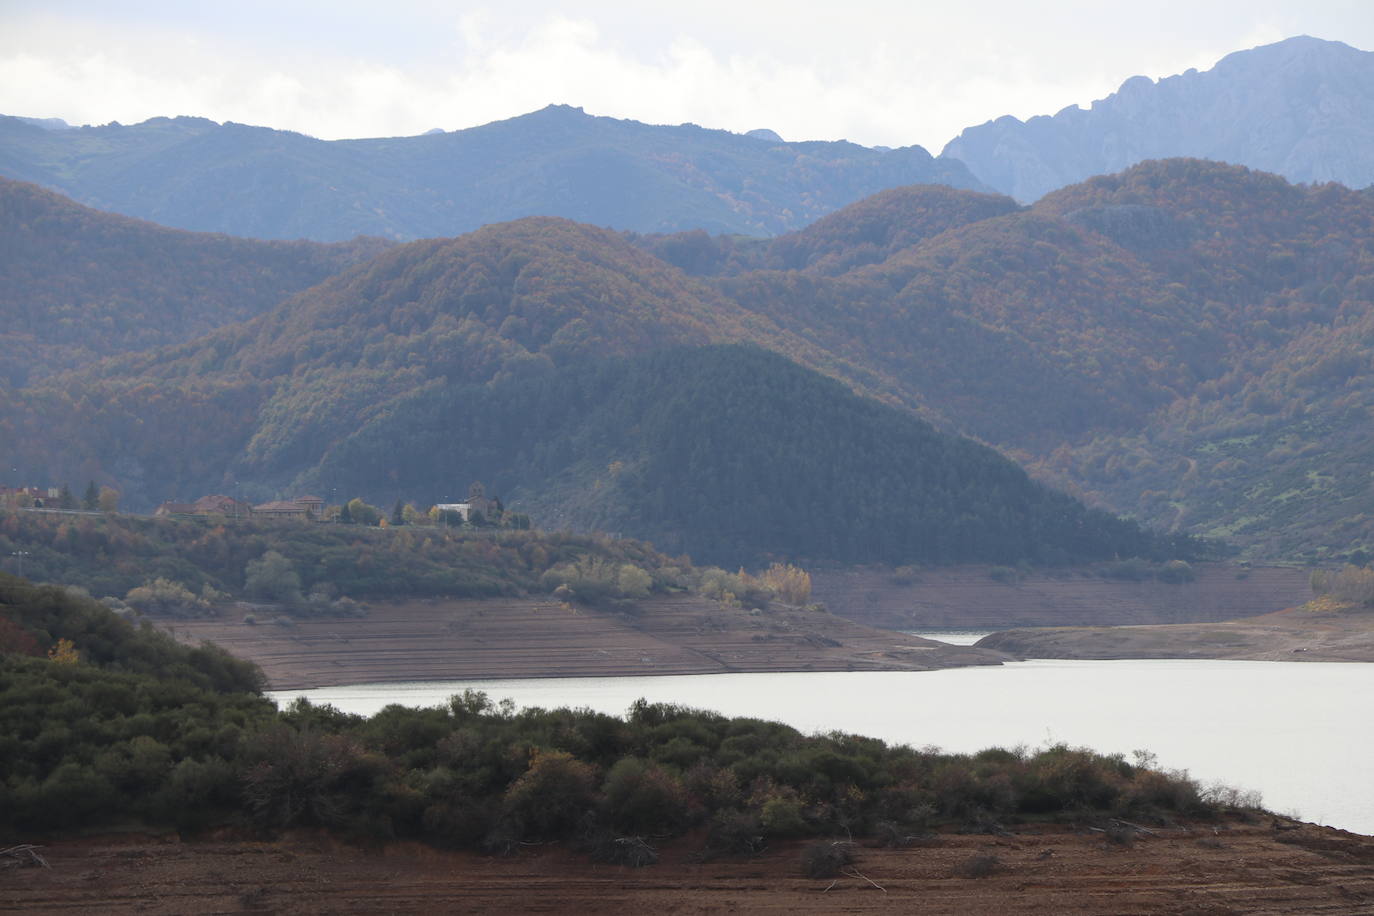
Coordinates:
(191, 173)
(1302, 108)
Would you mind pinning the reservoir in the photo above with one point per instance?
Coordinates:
(1296, 732)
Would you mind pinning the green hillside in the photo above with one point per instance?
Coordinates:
(77, 284)
(731, 454)
(1187, 342)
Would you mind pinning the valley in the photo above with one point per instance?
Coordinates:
(1181, 343)
(736, 417)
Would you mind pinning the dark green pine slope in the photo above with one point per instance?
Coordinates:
(732, 454)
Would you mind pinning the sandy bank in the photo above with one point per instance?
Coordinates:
(1294, 634)
(525, 637)
(969, 596)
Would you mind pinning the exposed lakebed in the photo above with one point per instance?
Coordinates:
(1297, 733)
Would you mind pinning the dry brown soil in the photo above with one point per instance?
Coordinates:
(967, 596)
(1268, 867)
(523, 637)
(1293, 634)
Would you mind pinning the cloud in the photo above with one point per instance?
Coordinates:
(872, 73)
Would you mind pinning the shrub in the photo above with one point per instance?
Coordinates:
(735, 833)
(551, 796)
(643, 798)
(826, 858)
(905, 575)
(272, 576)
(781, 816)
(590, 580)
(1353, 584)
(300, 778)
(790, 583)
(1176, 572)
(633, 582)
(165, 598)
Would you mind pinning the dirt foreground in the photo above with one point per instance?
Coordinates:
(1267, 867)
(526, 638)
(1308, 633)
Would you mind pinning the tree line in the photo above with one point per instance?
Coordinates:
(126, 726)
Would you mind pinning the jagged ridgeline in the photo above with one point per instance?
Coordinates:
(732, 454)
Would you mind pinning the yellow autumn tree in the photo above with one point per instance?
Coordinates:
(791, 584)
(64, 652)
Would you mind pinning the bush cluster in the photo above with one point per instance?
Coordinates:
(178, 567)
(141, 729)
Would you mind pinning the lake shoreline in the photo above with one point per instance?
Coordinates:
(1297, 634)
(439, 640)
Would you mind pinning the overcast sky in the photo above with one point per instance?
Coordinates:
(890, 73)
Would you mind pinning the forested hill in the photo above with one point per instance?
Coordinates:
(252, 181)
(77, 284)
(1186, 342)
(731, 454)
(1303, 108)
(867, 232)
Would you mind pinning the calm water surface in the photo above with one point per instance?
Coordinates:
(953, 636)
(1297, 732)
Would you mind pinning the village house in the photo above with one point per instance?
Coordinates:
(477, 502)
(303, 508)
(37, 497)
(220, 504)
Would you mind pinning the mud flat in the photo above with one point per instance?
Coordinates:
(970, 597)
(1269, 866)
(522, 637)
(1293, 634)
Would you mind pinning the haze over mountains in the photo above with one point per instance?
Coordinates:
(191, 173)
(1187, 342)
(1302, 108)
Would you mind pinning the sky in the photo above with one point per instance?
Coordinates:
(876, 73)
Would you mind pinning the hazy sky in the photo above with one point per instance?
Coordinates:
(891, 73)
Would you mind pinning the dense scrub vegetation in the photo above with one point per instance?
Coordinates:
(188, 563)
(1187, 343)
(129, 729)
(80, 284)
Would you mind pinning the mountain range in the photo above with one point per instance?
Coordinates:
(1302, 108)
(192, 173)
(1186, 342)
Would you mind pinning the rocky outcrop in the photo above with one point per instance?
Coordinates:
(1302, 108)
